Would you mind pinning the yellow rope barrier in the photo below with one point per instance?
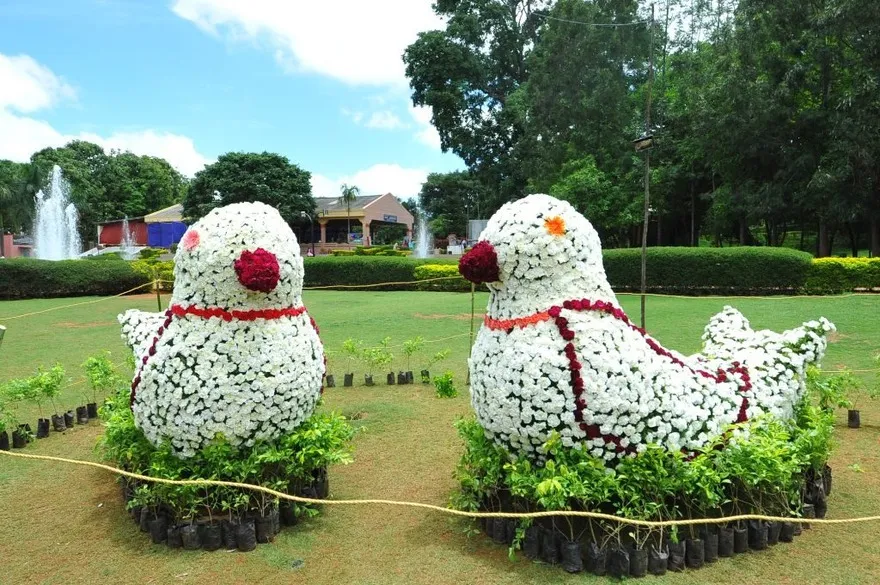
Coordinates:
(336, 286)
(92, 302)
(449, 511)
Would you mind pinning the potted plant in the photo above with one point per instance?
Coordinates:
(353, 350)
(7, 424)
(102, 377)
(329, 379)
(436, 358)
(48, 384)
(24, 389)
(410, 348)
(375, 358)
(386, 359)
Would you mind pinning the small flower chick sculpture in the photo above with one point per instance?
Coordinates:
(236, 354)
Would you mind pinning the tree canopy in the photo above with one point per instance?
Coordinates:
(238, 177)
(764, 114)
(102, 186)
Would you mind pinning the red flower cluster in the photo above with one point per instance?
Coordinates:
(480, 264)
(574, 366)
(258, 270)
(226, 315)
(150, 353)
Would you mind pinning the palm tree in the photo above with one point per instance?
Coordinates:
(349, 194)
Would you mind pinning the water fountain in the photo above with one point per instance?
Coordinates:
(128, 245)
(55, 228)
(424, 240)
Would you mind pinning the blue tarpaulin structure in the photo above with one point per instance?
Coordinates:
(163, 235)
(165, 227)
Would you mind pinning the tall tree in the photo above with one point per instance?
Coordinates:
(238, 177)
(468, 74)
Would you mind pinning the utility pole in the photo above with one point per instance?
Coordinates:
(647, 213)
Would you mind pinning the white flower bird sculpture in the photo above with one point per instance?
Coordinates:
(236, 354)
(556, 353)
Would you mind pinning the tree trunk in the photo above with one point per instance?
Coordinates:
(824, 240)
(2, 240)
(875, 237)
(803, 229)
(743, 240)
(853, 239)
(693, 216)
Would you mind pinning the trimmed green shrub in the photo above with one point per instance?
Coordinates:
(836, 275)
(342, 252)
(28, 278)
(450, 269)
(695, 271)
(330, 271)
(152, 268)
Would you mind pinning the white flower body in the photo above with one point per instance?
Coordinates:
(245, 364)
(632, 391)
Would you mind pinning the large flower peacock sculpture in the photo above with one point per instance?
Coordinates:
(236, 354)
(557, 354)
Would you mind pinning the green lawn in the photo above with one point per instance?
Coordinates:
(64, 524)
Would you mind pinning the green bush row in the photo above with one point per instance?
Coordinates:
(716, 271)
(692, 271)
(836, 275)
(28, 278)
(343, 271)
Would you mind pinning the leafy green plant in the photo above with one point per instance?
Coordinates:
(353, 350)
(436, 358)
(445, 385)
(285, 463)
(8, 421)
(412, 347)
(831, 392)
(378, 357)
(101, 374)
(42, 386)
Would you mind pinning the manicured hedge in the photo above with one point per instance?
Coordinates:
(370, 251)
(836, 275)
(457, 283)
(702, 271)
(342, 271)
(28, 278)
(693, 271)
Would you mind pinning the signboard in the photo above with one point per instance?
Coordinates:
(389, 218)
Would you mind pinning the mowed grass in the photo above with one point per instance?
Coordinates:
(66, 524)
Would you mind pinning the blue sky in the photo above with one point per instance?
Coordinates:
(320, 82)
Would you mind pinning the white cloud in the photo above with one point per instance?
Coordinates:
(356, 117)
(384, 120)
(176, 149)
(355, 41)
(27, 86)
(426, 133)
(377, 179)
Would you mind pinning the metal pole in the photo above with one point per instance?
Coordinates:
(647, 211)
